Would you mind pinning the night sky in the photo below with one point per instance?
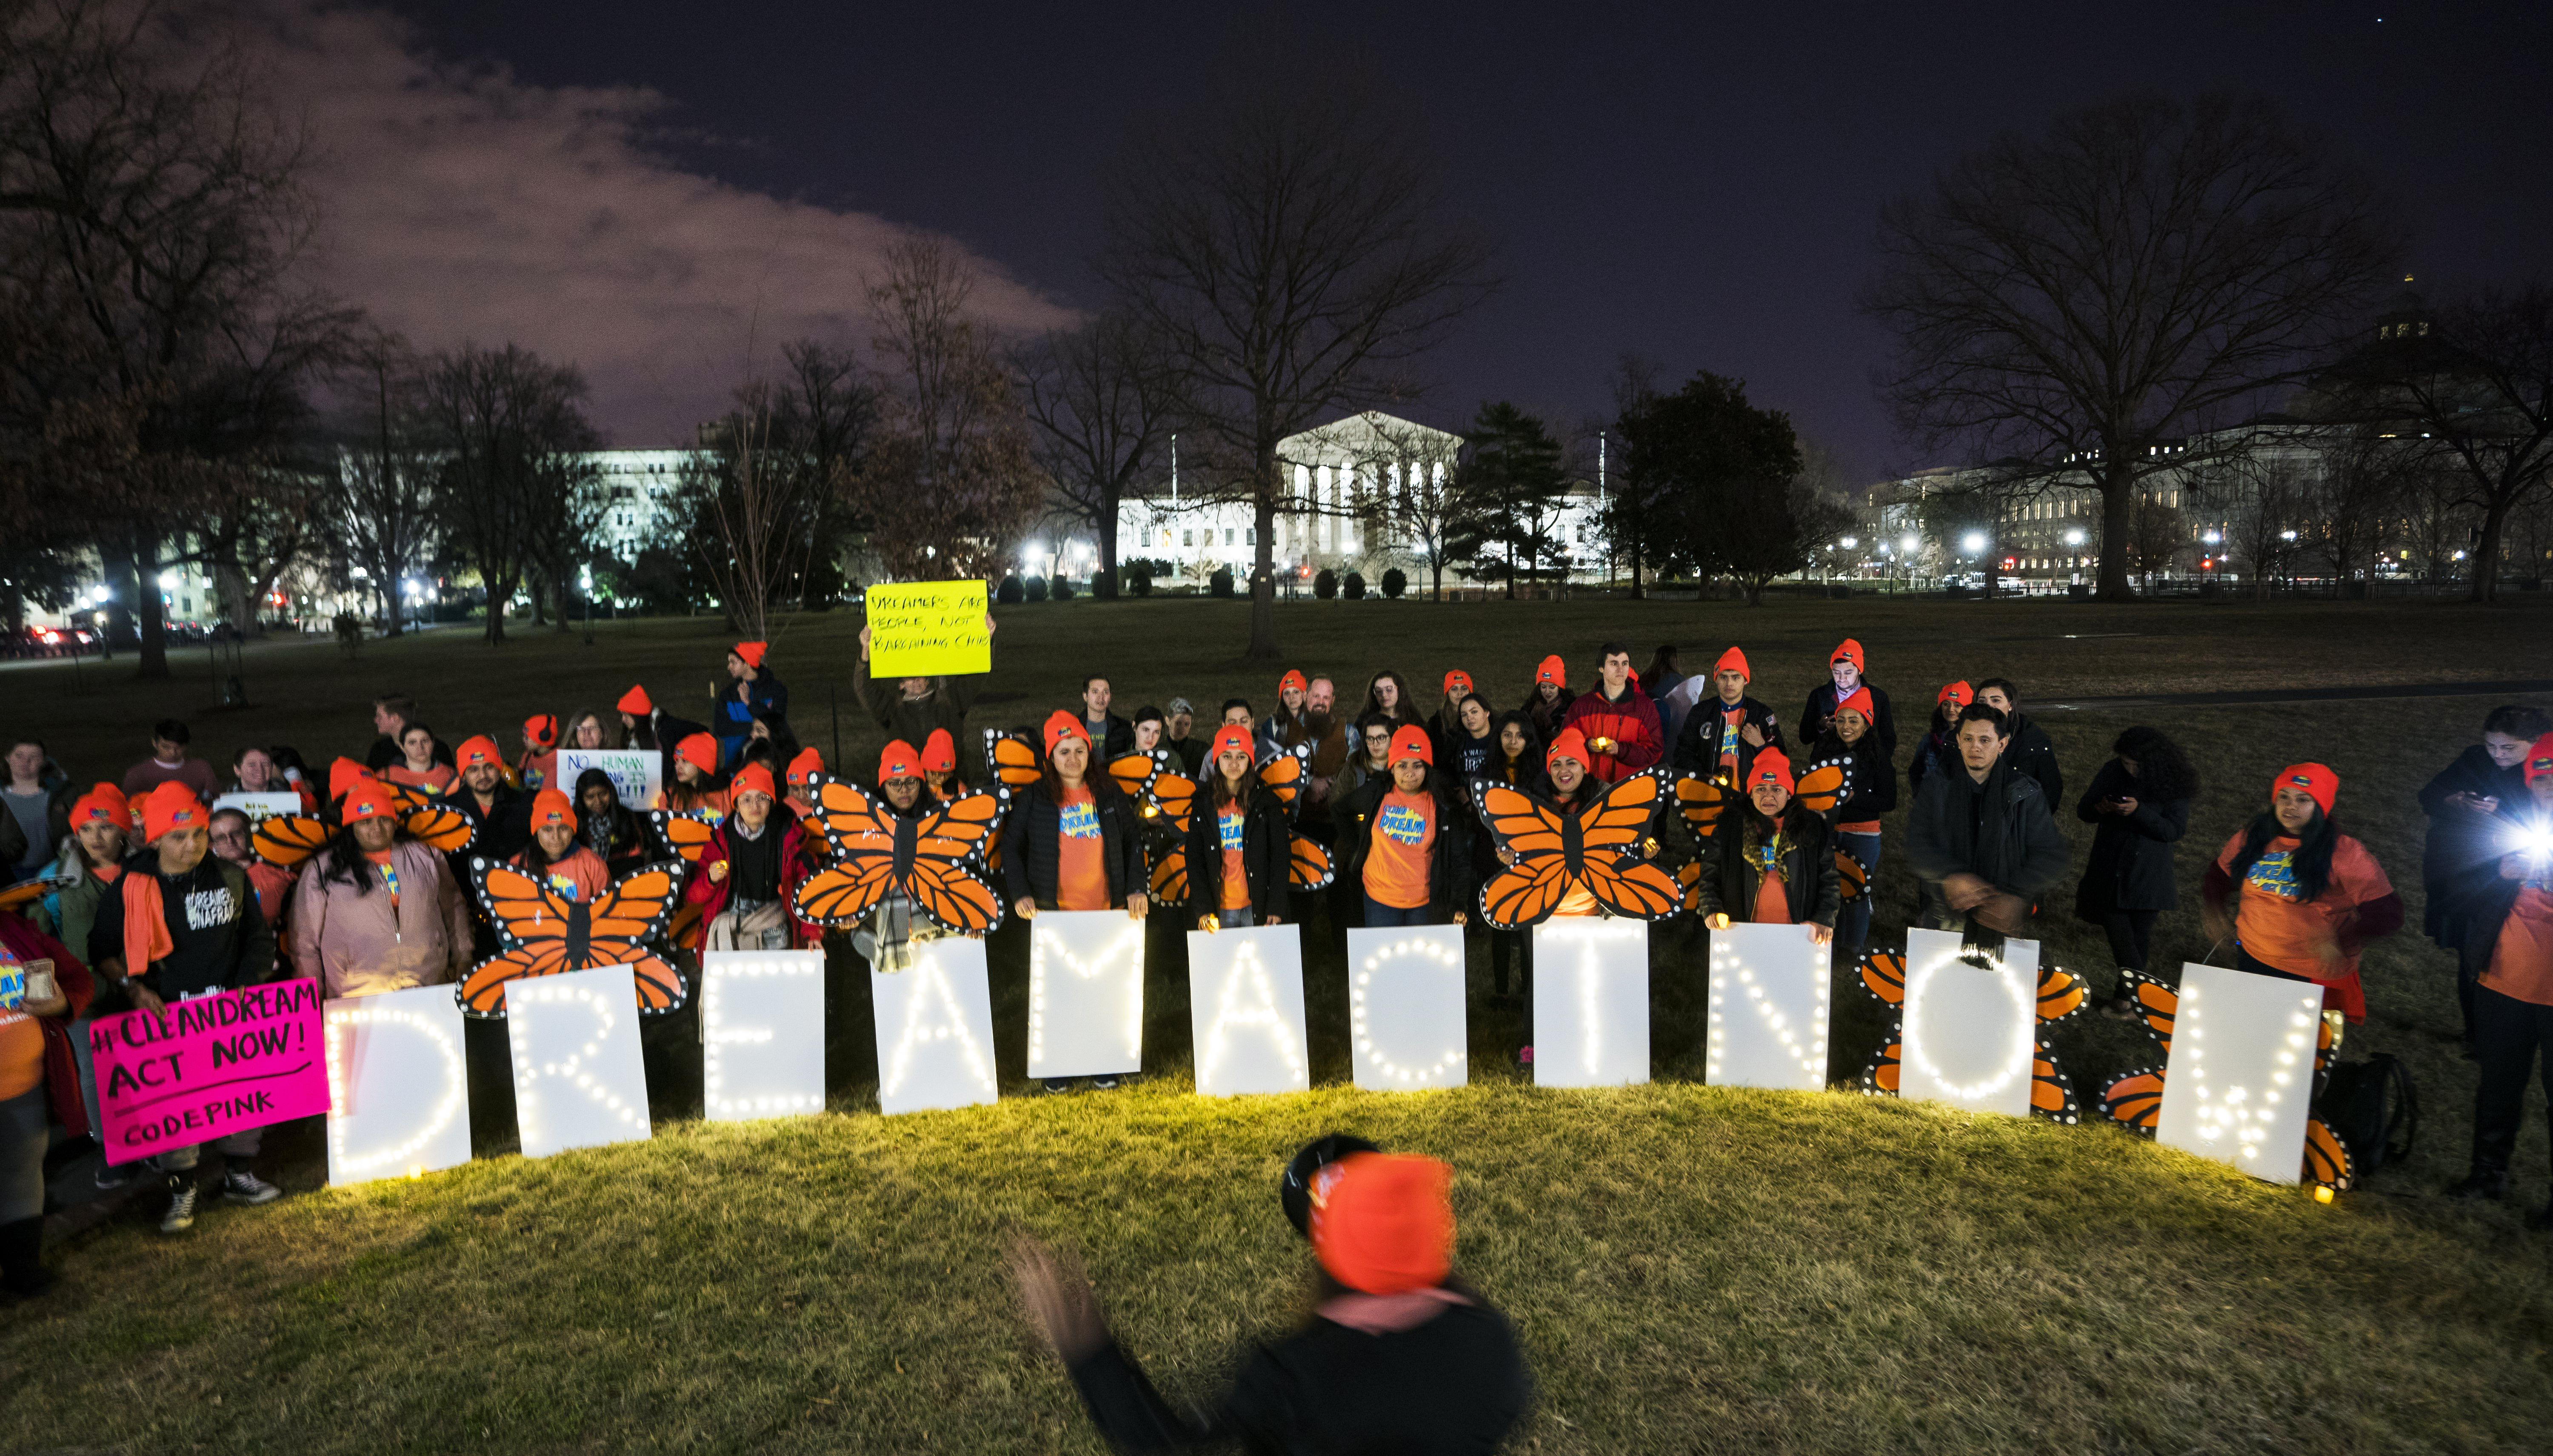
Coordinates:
(1697, 182)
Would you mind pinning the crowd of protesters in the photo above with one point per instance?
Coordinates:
(154, 889)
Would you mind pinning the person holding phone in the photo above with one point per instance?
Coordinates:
(2510, 911)
(2138, 808)
(2470, 805)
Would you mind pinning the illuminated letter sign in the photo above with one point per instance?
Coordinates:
(398, 1085)
(1590, 1002)
(762, 1033)
(1085, 993)
(934, 1028)
(579, 1081)
(2241, 1070)
(1769, 996)
(1405, 1008)
(1970, 1033)
(1246, 1004)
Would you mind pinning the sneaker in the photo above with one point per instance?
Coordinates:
(2482, 1183)
(1103, 1084)
(113, 1176)
(239, 1185)
(1056, 1085)
(181, 1207)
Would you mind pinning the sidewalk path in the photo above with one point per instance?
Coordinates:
(2508, 689)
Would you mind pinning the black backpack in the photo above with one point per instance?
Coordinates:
(2366, 1105)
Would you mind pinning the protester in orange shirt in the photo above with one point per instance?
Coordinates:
(696, 788)
(419, 766)
(539, 764)
(1071, 843)
(1405, 841)
(1240, 846)
(558, 855)
(2298, 896)
(1774, 864)
(2512, 912)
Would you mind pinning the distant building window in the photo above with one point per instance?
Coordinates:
(1227, 535)
(1250, 537)
(1187, 538)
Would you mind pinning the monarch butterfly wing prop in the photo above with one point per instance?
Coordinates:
(860, 842)
(1527, 892)
(683, 831)
(2060, 995)
(1170, 799)
(285, 839)
(1012, 760)
(2157, 1004)
(1283, 774)
(1702, 801)
(1170, 872)
(2135, 1102)
(2052, 1092)
(1134, 771)
(626, 917)
(440, 827)
(2327, 1161)
(1825, 786)
(1883, 975)
(941, 880)
(1879, 1078)
(847, 819)
(1310, 865)
(1689, 876)
(1613, 829)
(408, 797)
(28, 891)
(532, 922)
(1851, 880)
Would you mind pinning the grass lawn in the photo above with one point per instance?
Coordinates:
(1693, 1268)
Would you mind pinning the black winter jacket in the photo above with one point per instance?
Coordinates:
(1729, 877)
(1031, 853)
(1934, 752)
(1875, 776)
(2462, 845)
(1696, 744)
(1267, 856)
(2012, 846)
(1818, 716)
(2035, 755)
(1452, 877)
(2131, 866)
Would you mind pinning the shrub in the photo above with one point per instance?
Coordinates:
(1395, 582)
(1326, 584)
(1061, 589)
(1103, 585)
(1009, 592)
(1139, 578)
(1219, 584)
(1356, 587)
(1036, 588)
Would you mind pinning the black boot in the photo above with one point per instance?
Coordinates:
(2482, 1183)
(22, 1270)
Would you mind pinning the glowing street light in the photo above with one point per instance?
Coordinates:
(1849, 542)
(2214, 537)
(1908, 545)
(1973, 542)
(2075, 538)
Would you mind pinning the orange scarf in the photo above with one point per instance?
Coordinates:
(146, 925)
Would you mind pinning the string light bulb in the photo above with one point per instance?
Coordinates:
(1451, 1068)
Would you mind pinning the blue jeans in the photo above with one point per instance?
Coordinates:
(1379, 916)
(1852, 927)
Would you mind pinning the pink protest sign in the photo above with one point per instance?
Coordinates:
(198, 1069)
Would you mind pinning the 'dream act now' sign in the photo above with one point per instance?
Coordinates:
(200, 1069)
(928, 629)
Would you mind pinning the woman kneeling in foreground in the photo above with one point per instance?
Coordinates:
(1397, 1355)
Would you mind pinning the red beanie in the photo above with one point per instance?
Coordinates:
(899, 762)
(1771, 766)
(2539, 760)
(808, 761)
(1859, 700)
(368, 800)
(1568, 744)
(753, 778)
(1550, 671)
(1294, 680)
(103, 802)
(477, 749)
(553, 806)
(752, 652)
(169, 808)
(1956, 694)
(2315, 779)
(1062, 724)
(700, 750)
(637, 703)
(1383, 1223)
(1851, 653)
(940, 753)
(1411, 741)
(1734, 661)
(1457, 681)
(1231, 736)
(541, 729)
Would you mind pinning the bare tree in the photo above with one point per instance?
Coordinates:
(1295, 252)
(2265, 491)
(952, 479)
(2437, 515)
(1978, 505)
(2158, 535)
(766, 496)
(1101, 397)
(2143, 275)
(510, 436)
(2358, 489)
(1636, 515)
(1417, 494)
(381, 515)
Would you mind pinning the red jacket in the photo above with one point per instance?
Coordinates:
(708, 896)
(62, 1072)
(1632, 721)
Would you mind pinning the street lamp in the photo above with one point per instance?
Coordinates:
(1973, 542)
(2075, 538)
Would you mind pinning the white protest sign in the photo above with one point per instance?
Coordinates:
(1769, 995)
(1246, 1004)
(259, 806)
(398, 1084)
(579, 1081)
(638, 773)
(1405, 1008)
(1590, 1002)
(2241, 1076)
(934, 1028)
(1085, 993)
(1968, 1034)
(762, 1033)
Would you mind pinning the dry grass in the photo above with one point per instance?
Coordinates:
(1693, 1268)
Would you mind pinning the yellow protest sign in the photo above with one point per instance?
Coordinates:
(929, 629)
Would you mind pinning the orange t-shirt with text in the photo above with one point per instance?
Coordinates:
(2277, 929)
(22, 1043)
(2521, 959)
(1396, 867)
(1236, 881)
(1081, 867)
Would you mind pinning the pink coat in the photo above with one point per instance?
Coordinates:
(356, 944)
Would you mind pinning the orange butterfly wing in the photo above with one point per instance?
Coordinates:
(1134, 771)
(2051, 1094)
(1312, 867)
(285, 839)
(2158, 1003)
(1824, 786)
(685, 832)
(941, 881)
(842, 893)
(1611, 828)
(1528, 891)
(1880, 1077)
(1285, 771)
(2327, 1159)
(440, 827)
(1172, 796)
(1526, 894)
(408, 797)
(1170, 875)
(535, 922)
(1702, 801)
(1883, 974)
(23, 893)
(1012, 760)
(2135, 1100)
(1851, 880)
(2060, 994)
(1638, 888)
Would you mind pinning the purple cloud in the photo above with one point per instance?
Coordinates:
(462, 203)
